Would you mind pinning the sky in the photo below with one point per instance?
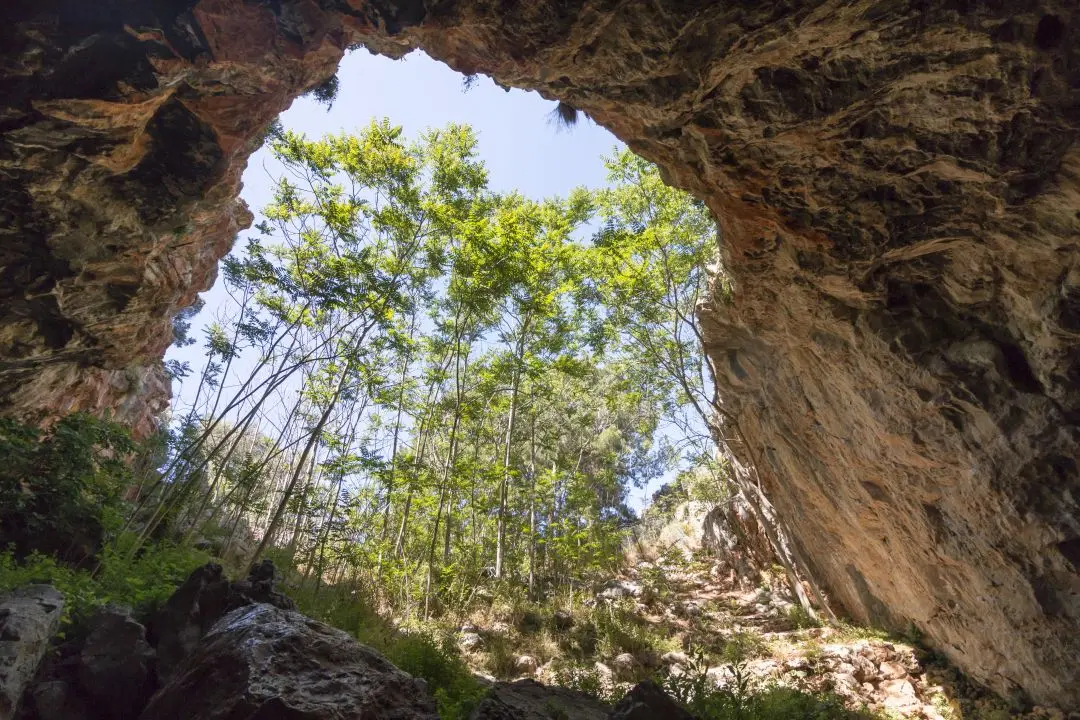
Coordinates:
(521, 145)
(518, 141)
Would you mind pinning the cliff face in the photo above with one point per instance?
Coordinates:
(898, 189)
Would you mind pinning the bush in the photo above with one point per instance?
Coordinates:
(438, 662)
(800, 619)
(619, 629)
(584, 680)
(60, 490)
(142, 582)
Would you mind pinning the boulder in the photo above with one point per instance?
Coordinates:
(58, 700)
(29, 618)
(619, 589)
(261, 661)
(470, 641)
(625, 666)
(892, 670)
(648, 701)
(116, 664)
(187, 615)
(530, 700)
(200, 602)
(674, 658)
(529, 622)
(899, 696)
(526, 665)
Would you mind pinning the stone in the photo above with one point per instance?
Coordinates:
(526, 665)
(625, 666)
(619, 589)
(29, 618)
(267, 662)
(931, 713)
(199, 602)
(689, 609)
(648, 701)
(470, 641)
(607, 675)
(529, 700)
(865, 670)
(892, 670)
(895, 331)
(899, 695)
(718, 675)
(529, 622)
(674, 658)
(187, 615)
(116, 664)
(57, 700)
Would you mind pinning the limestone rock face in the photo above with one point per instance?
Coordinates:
(29, 617)
(897, 182)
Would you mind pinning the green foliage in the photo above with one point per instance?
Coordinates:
(439, 663)
(326, 92)
(60, 490)
(800, 619)
(142, 582)
(609, 629)
(437, 390)
(586, 680)
(740, 698)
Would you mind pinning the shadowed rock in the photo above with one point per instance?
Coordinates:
(261, 661)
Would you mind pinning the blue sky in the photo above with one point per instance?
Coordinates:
(521, 145)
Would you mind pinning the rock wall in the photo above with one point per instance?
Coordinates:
(898, 188)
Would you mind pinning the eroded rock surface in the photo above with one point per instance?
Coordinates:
(898, 188)
(530, 700)
(262, 661)
(29, 617)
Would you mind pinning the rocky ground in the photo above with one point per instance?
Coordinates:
(754, 636)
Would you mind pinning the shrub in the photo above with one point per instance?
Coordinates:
(584, 680)
(800, 619)
(60, 490)
(142, 582)
(438, 662)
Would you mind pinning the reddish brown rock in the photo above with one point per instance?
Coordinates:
(898, 188)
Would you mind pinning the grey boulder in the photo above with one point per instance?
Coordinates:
(265, 662)
(29, 618)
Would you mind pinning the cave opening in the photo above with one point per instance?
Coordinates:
(125, 131)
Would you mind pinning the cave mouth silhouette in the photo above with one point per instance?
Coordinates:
(853, 153)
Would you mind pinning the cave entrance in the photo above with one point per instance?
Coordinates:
(527, 147)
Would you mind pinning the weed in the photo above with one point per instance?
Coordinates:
(800, 619)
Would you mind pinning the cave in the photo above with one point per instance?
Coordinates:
(897, 187)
